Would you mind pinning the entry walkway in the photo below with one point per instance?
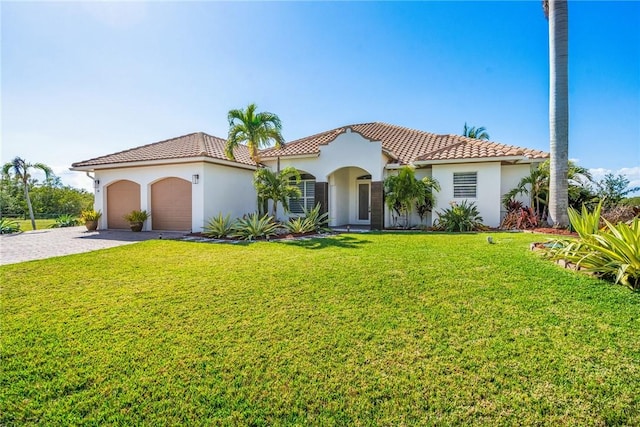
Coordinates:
(52, 242)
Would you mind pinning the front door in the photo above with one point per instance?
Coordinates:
(363, 201)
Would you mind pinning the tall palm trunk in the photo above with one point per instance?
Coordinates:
(558, 112)
(25, 186)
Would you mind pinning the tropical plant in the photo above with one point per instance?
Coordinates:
(518, 216)
(137, 216)
(219, 226)
(609, 252)
(256, 130)
(473, 132)
(65, 220)
(425, 205)
(90, 215)
(278, 187)
(19, 168)
(536, 186)
(254, 226)
(312, 221)
(556, 11)
(403, 191)
(461, 216)
(8, 226)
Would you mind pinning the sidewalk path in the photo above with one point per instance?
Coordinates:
(51, 242)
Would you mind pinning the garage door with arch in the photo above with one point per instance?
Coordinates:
(122, 197)
(171, 204)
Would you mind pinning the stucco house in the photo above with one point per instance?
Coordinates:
(184, 181)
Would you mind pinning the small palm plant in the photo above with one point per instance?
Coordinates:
(8, 226)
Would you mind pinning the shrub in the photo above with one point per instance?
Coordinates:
(612, 252)
(219, 226)
(253, 227)
(298, 225)
(460, 217)
(619, 213)
(8, 226)
(65, 220)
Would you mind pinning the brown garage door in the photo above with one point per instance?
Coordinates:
(122, 197)
(171, 204)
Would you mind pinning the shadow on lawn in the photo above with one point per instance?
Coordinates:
(340, 241)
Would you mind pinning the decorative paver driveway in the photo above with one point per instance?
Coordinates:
(51, 242)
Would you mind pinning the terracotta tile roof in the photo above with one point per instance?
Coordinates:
(192, 145)
(408, 145)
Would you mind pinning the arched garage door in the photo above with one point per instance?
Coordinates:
(122, 198)
(171, 204)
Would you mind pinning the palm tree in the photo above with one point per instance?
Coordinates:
(556, 12)
(473, 132)
(20, 170)
(403, 190)
(257, 130)
(277, 186)
(537, 185)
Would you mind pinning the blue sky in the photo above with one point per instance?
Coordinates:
(82, 79)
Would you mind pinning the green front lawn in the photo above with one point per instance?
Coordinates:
(372, 329)
(25, 224)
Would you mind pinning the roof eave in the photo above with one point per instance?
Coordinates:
(291, 156)
(204, 159)
(516, 159)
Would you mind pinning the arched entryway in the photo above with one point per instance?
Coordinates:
(122, 197)
(350, 196)
(171, 204)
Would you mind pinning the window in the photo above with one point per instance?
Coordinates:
(465, 184)
(308, 196)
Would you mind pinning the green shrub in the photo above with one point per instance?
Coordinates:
(298, 225)
(8, 226)
(219, 226)
(612, 252)
(460, 217)
(65, 220)
(253, 227)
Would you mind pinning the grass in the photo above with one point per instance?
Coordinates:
(25, 224)
(373, 329)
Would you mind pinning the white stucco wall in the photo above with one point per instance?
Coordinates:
(228, 190)
(349, 149)
(510, 177)
(488, 189)
(228, 186)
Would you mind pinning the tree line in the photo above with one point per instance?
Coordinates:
(22, 196)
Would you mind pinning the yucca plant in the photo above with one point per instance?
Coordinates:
(254, 227)
(65, 220)
(8, 226)
(219, 226)
(611, 252)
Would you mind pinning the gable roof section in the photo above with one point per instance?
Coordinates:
(183, 147)
(408, 145)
